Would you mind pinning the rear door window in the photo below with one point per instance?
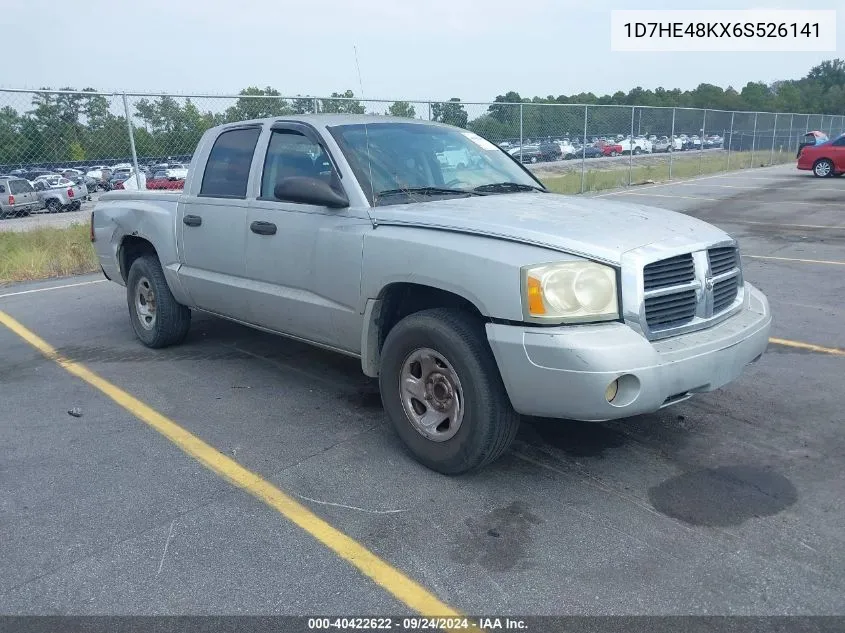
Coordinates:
(227, 170)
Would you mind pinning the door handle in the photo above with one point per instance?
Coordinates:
(263, 228)
(192, 220)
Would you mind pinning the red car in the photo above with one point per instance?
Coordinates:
(825, 159)
(165, 183)
(610, 149)
(161, 181)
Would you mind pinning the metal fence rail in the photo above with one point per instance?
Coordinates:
(566, 142)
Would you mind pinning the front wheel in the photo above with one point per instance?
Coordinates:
(614, 154)
(157, 318)
(54, 206)
(823, 168)
(442, 391)
(637, 151)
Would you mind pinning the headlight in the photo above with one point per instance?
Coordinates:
(570, 292)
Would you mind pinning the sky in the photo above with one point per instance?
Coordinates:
(406, 49)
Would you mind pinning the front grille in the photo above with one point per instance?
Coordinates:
(724, 293)
(670, 310)
(722, 259)
(669, 272)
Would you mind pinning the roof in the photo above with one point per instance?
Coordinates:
(330, 120)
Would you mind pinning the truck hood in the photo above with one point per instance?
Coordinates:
(595, 228)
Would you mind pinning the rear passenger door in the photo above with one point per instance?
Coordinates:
(211, 226)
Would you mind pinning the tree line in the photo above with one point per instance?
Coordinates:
(65, 127)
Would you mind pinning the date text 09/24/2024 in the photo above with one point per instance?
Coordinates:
(418, 624)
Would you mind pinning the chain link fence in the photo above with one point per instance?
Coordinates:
(572, 148)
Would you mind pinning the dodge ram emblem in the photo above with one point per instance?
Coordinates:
(708, 283)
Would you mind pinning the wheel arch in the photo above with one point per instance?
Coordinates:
(396, 301)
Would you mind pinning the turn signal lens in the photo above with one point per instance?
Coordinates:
(535, 297)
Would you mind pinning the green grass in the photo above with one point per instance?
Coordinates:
(686, 165)
(46, 252)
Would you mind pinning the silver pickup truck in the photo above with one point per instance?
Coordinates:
(471, 292)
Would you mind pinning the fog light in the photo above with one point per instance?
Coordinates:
(612, 389)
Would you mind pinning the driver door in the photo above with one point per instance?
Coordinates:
(304, 261)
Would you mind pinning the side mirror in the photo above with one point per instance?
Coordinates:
(309, 191)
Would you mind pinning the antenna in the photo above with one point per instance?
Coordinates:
(366, 131)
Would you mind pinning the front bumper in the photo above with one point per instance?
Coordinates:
(564, 372)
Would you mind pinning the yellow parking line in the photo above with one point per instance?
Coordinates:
(808, 346)
(382, 573)
(795, 259)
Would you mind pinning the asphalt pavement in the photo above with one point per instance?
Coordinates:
(729, 503)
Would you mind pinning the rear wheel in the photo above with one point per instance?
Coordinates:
(157, 318)
(54, 206)
(637, 151)
(823, 168)
(442, 391)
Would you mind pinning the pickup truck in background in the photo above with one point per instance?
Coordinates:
(472, 293)
(60, 194)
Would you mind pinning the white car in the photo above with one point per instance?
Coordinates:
(635, 146)
(177, 172)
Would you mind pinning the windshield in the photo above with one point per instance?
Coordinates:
(406, 160)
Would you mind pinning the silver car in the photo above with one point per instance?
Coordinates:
(17, 197)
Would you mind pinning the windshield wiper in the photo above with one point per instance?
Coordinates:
(425, 191)
(506, 187)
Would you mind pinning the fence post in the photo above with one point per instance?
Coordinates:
(701, 147)
(429, 110)
(730, 142)
(584, 147)
(631, 147)
(316, 108)
(671, 143)
(132, 142)
(753, 140)
(520, 133)
(789, 144)
(774, 133)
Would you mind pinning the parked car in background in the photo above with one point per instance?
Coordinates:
(63, 195)
(17, 197)
(635, 146)
(160, 180)
(177, 171)
(662, 144)
(610, 149)
(550, 151)
(825, 159)
(526, 153)
(590, 151)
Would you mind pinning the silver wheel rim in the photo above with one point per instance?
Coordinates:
(431, 395)
(145, 303)
(823, 168)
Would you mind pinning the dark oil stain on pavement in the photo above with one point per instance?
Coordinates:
(497, 540)
(723, 496)
(576, 439)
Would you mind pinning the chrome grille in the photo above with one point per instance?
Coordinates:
(690, 291)
(671, 309)
(669, 272)
(722, 259)
(724, 293)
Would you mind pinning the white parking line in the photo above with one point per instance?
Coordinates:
(795, 259)
(798, 226)
(26, 292)
(794, 202)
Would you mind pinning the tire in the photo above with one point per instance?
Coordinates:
(53, 206)
(822, 168)
(614, 154)
(488, 422)
(166, 322)
(75, 206)
(637, 151)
